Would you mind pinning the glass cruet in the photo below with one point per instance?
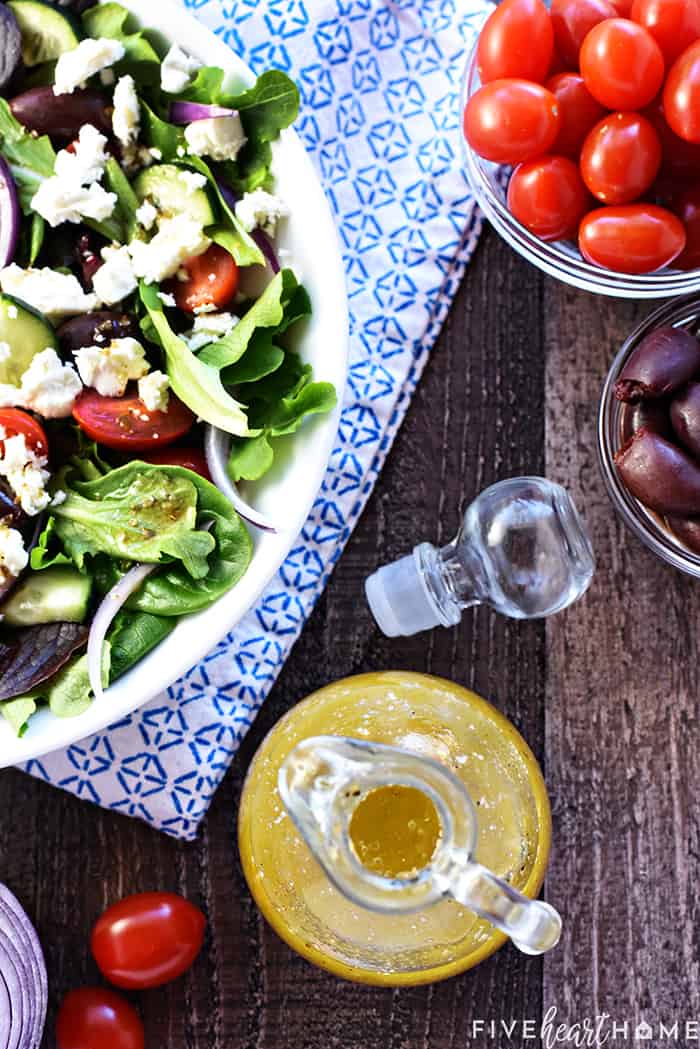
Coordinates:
(522, 548)
(323, 782)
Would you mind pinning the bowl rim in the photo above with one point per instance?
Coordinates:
(553, 258)
(170, 660)
(640, 520)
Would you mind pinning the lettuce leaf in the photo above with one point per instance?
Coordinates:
(132, 636)
(67, 693)
(266, 312)
(270, 105)
(157, 133)
(115, 22)
(31, 159)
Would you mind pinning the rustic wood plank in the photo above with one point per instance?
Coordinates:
(623, 697)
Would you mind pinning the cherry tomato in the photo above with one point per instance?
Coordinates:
(95, 1018)
(682, 95)
(674, 24)
(14, 421)
(548, 196)
(578, 112)
(516, 41)
(176, 455)
(147, 939)
(631, 238)
(125, 423)
(572, 20)
(622, 7)
(508, 121)
(680, 159)
(620, 158)
(621, 64)
(687, 207)
(212, 280)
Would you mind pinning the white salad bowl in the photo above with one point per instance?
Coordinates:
(287, 494)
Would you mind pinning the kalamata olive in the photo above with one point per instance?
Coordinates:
(685, 417)
(61, 116)
(687, 529)
(659, 474)
(648, 415)
(663, 362)
(10, 45)
(95, 328)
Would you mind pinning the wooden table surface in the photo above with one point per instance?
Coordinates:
(606, 694)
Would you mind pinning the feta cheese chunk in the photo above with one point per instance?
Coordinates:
(54, 294)
(25, 473)
(116, 279)
(167, 299)
(86, 163)
(109, 368)
(49, 387)
(208, 327)
(153, 391)
(74, 68)
(13, 557)
(126, 119)
(260, 209)
(178, 238)
(177, 69)
(220, 138)
(192, 179)
(146, 215)
(58, 201)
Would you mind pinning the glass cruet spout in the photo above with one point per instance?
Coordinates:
(325, 779)
(522, 548)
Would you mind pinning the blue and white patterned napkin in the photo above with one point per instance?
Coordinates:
(380, 84)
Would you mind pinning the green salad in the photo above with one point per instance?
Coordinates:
(147, 360)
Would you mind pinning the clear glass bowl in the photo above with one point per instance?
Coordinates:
(646, 525)
(560, 259)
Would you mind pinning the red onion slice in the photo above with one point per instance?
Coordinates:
(10, 215)
(189, 112)
(265, 244)
(16, 927)
(217, 445)
(13, 973)
(227, 193)
(106, 611)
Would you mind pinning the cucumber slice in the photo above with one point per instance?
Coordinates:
(25, 332)
(46, 32)
(58, 594)
(163, 185)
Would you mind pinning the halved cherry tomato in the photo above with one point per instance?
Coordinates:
(620, 158)
(572, 20)
(631, 238)
(177, 455)
(548, 196)
(14, 421)
(147, 939)
(212, 280)
(578, 112)
(95, 1018)
(516, 41)
(682, 94)
(621, 64)
(622, 7)
(680, 159)
(508, 121)
(674, 24)
(125, 423)
(687, 207)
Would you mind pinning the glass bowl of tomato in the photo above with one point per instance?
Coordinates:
(611, 182)
(619, 421)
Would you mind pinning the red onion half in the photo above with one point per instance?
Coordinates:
(23, 983)
(104, 616)
(265, 244)
(217, 445)
(10, 215)
(189, 112)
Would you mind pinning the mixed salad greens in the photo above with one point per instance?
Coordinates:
(145, 362)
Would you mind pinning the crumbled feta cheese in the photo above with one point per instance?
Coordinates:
(166, 298)
(208, 327)
(181, 151)
(262, 209)
(85, 163)
(177, 70)
(146, 214)
(220, 138)
(109, 368)
(49, 387)
(206, 307)
(12, 313)
(25, 473)
(156, 153)
(193, 179)
(74, 68)
(59, 498)
(54, 294)
(178, 238)
(57, 202)
(115, 279)
(153, 391)
(5, 351)
(126, 119)
(13, 557)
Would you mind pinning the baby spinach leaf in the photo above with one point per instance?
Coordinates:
(207, 86)
(36, 241)
(18, 712)
(270, 105)
(251, 168)
(159, 134)
(31, 159)
(115, 22)
(127, 201)
(132, 636)
(241, 245)
(260, 359)
(250, 459)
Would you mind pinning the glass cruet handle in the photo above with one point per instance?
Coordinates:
(324, 779)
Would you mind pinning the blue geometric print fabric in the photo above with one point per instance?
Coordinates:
(380, 84)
